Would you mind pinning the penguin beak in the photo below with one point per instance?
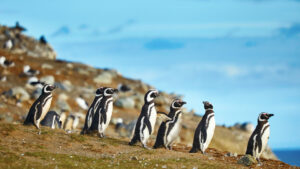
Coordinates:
(156, 94)
(52, 87)
(116, 90)
(182, 103)
(270, 115)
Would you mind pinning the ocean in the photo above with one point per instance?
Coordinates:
(291, 157)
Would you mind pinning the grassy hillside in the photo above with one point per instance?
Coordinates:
(22, 147)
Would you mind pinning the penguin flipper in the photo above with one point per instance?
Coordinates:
(103, 115)
(203, 135)
(259, 143)
(148, 124)
(39, 111)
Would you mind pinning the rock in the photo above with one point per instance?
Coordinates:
(229, 154)
(36, 93)
(19, 93)
(125, 102)
(247, 160)
(65, 85)
(134, 158)
(164, 166)
(124, 88)
(47, 66)
(104, 78)
(62, 102)
(5, 117)
(82, 71)
(69, 65)
(48, 79)
(249, 127)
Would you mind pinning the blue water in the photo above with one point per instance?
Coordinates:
(291, 157)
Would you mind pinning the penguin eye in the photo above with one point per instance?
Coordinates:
(176, 104)
(152, 95)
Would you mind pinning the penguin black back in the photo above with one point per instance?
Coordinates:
(259, 138)
(36, 110)
(203, 135)
(92, 109)
(52, 119)
(168, 124)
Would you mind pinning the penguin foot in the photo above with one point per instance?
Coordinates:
(39, 132)
(101, 135)
(259, 162)
(146, 147)
(193, 150)
(169, 147)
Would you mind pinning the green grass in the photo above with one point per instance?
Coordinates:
(77, 137)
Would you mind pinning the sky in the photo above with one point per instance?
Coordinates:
(241, 55)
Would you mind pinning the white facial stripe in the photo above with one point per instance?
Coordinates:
(149, 98)
(260, 119)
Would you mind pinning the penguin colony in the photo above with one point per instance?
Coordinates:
(99, 114)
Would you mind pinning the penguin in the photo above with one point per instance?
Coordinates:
(6, 63)
(92, 109)
(72, 122)
(34, 82)
(52, 120)
(205, 130)
(170, 129)
(43, 40)
(82, 103)
(260, 136)
(30, 72)
(123, 88)
(40, 107)
(103, 112)
(146, 121)
(18, 27)
(8, 44)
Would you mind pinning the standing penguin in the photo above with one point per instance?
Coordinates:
(40, 107)
(91, 111)
(260, 136)
(103, 112)
(52, 119)
(170, 129)
(146, 121)
(205, 130)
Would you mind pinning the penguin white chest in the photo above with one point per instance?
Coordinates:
(265, 138)
(210, 131)
(108, 115)
(174, 132)
(46, 107)
(152, 118)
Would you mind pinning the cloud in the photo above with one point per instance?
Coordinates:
(291, 31)
(161, 44)
(121, 27)
(64, 30)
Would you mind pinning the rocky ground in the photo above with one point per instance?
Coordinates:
(75, 80)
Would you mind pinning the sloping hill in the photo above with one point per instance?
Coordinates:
(22, 147)
(79, 80)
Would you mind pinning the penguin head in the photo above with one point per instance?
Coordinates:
(107, 91)
(264, 116)
(177, 104)
(207, 105)
(48, 88)
(99, 91)
(151, 95)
